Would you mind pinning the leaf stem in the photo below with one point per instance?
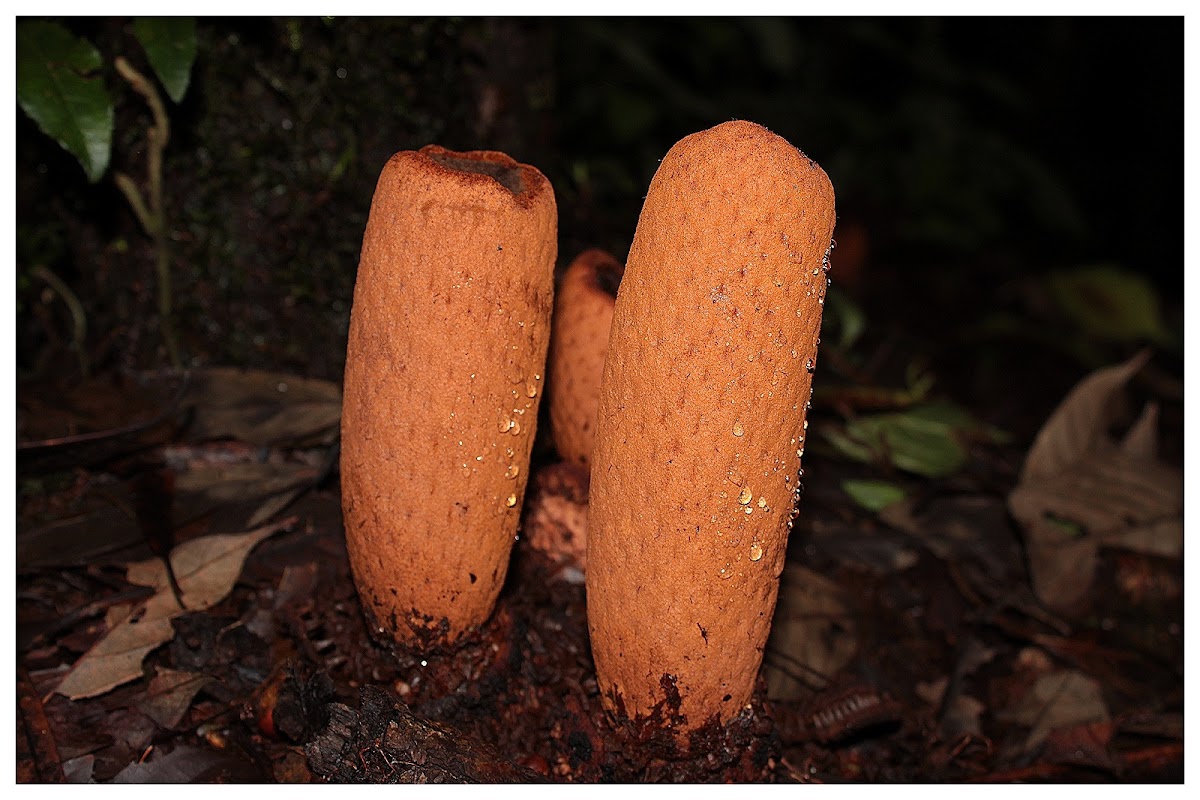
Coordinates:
(153, 219)
(78, 317)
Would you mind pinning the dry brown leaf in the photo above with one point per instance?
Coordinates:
(206, 568)
(229, 483)
(1079, 422)
(170, 695)
(1060, 699)
(264, 408)
(188, 764)
(1081, 491)
(1141, 441)
(1061, 564)
(117, 658)
(812, 634)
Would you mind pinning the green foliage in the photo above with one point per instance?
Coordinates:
(57, 88)
(844, 316)
(170, 45)
(929, 439)
(1109, 303)
(57, 84)
(873, 495)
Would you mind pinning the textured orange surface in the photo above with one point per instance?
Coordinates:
(702, 417)
(583, 309)
(447, 346)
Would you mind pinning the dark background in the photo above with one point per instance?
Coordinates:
(966, 154)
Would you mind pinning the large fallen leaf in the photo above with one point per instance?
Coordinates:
(232, 483)
(1080, 491)
(218, 488)
(812, 636)
(264, 408)
(1080, 421)
(206, 568)
(189, 764)
(170, 695)
(1060, 699)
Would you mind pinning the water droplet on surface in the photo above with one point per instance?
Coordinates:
(530, 390)
(508, 451)
(749, 509)
(512, 471)
(805, 426)
(511, 501)
(745, 496)
(726, 572)
(505, 424)
(810, 365)
(762, 502)
(738, 430)
(756, 551)
(516, 427)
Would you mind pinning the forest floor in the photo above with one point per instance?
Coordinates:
(910, 643)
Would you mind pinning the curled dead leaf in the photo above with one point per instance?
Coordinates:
(1080, 491)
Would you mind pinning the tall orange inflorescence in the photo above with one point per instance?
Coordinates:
(702, 420)
(447, 346)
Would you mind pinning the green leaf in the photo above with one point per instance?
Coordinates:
(851, 449)
(926, 439)
(1109, 303)
(921, 446)
(170, 44)
(843, 312)
(872, 495)
(55, 90)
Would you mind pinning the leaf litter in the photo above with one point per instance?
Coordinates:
(845, 633)
(206, 568)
